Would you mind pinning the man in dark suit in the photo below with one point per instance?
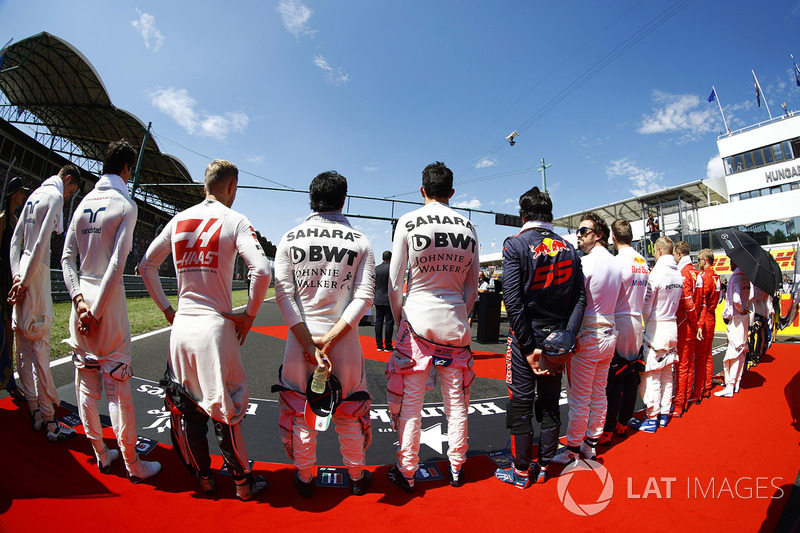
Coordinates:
(384, 320)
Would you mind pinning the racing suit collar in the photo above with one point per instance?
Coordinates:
(329, 216)
(112, 181)
(55, 181)
(537, 224)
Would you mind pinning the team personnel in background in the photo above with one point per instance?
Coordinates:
(664, 289)
(687, 328)
(623, 374)
(15, 198)
(99, 237)
(205, 376)
(737, 316)
(42, 214)
(707, 293)
(440, 249)
(587, 371)
(543, 295)
(483, 286)
(759, 324)
(324, 283)
(384, 319)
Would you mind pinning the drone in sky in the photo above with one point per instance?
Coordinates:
(510, 138)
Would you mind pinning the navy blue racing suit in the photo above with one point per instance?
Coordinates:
(543, 291)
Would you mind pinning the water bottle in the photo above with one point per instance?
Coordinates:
(319, 379)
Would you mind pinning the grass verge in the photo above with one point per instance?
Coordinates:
(143, 313)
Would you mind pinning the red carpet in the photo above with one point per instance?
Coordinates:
(716, 469)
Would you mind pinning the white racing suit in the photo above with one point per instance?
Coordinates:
(101, 233)
(42, 214)
(439, 248)
(737, 316)
(660, 346)
(206, 377)
(587, 370)
(623, 374)
(324, 272)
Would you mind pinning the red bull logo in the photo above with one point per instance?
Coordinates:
(639, 260)
(549, 247)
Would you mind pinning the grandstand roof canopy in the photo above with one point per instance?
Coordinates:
(701, 193)
(48, 77)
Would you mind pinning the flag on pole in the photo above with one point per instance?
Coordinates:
(712, 96)
(758, 92)
(796, 71)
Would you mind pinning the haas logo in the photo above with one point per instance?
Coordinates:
(197, 243)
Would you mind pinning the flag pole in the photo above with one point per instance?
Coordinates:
(796, 71)
(761, 91)
(716, 97)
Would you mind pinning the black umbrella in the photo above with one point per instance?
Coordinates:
(756, 263)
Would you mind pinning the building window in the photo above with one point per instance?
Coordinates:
(728, 164)
(759, 158)
(768, 158)
(744, 195)
(787, 150)
(755, 194)
(775, 190)
(734, 198)
(776, 148)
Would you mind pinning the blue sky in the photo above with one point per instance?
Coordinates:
(378, 89)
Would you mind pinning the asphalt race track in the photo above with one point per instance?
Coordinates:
(262, 355)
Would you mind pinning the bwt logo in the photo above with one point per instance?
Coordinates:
(197, 243)
(585, 509)
(327, 254)
(442, 240)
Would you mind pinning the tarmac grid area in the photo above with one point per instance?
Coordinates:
(262, 355)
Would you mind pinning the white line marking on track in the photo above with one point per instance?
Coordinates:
(68, 358)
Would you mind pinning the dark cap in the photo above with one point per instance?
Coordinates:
(15, 184)
(557, 348)
(320, 407)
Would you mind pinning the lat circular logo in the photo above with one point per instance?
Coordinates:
(585, 509)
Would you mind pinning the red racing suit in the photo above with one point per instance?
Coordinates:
(708, 287)
(687, 335)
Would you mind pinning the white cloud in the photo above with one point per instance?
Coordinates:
(333, 75)
(684, 114)
(178, 104)
(146, 26)
(370, 168)
(714, 169)
(642, 180)
(472, 203)
(255, 159)
(486, 162)
(295, 17)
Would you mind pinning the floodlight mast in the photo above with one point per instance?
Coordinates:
(542, 169)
